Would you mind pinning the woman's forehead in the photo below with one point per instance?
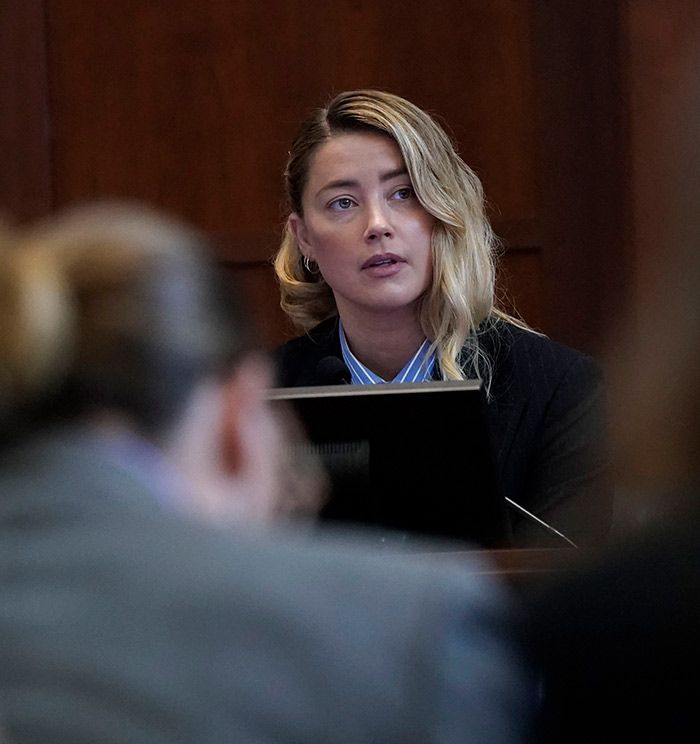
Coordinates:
(350, 155)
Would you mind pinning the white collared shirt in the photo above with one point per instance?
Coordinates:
(419, 367)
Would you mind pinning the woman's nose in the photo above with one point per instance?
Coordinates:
(378, 225)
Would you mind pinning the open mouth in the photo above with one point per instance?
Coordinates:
(386, 259)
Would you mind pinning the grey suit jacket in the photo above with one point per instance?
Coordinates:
(122, 621)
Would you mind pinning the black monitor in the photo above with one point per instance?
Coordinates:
(411, 459)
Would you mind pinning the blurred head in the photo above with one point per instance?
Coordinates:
(112, 307)
(454, 291)
(116, 317)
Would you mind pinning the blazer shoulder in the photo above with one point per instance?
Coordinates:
(297, 359)
(510, 347)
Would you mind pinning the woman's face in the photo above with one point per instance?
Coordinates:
(364, 226)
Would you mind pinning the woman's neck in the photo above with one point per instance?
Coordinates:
(383, 344)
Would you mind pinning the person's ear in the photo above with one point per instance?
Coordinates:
(298, 228)
(244, 393)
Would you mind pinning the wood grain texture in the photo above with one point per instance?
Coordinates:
(193, 105)
(25, 157)
(583, 162)
(663, 81)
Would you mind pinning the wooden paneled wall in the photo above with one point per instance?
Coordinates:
(663, 82)
(25, 152)
(191, 105)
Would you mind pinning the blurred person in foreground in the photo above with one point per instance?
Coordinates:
(617, 639)
(133, 421)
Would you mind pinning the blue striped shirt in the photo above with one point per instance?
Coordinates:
(419, 367)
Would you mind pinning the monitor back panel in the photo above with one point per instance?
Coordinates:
(412, 458)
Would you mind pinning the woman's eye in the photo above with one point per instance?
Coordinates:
(405, 193)
(344, 202)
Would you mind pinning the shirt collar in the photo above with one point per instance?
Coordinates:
(419, 367)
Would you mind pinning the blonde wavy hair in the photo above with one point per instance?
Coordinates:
(462, 294)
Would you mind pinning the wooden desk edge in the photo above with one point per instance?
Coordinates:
(519, 561)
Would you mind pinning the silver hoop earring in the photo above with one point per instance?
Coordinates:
(307, 265)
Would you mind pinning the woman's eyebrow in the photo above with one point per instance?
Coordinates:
(341, 183)
(349, 183)
(394, 173)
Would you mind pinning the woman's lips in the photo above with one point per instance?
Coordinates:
(382, 266)
(382, 261)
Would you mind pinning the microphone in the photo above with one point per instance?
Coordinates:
(542, 523)
(331, 370)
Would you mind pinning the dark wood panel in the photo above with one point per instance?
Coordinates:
(662, 79)
(25, 163)
(582, 156)
(257, 284)
(192, 105)
(520, 284)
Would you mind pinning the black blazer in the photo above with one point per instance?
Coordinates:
(545, 416)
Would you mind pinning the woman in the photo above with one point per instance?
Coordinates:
(387, 262)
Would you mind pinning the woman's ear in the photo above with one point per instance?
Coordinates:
(297, 227)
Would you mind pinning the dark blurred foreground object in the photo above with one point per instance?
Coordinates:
(134, 427)
(617, 642)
